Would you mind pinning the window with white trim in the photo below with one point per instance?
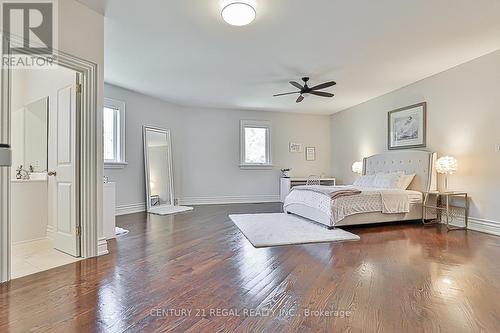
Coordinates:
(114, 134)
(255, 144)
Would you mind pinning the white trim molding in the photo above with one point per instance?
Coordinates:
(130, 209)
(29, 241)
(102, 246)
(115, 165)
(486, 226)
(224, 200)
(50, 232)
(5, 116)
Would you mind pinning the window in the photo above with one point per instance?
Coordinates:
(114, 134)
(255, 144)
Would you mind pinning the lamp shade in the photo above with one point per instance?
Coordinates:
(357, 167)
(447, 165)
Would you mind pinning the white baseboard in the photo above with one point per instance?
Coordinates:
(130, 209)
(486, 226)
(102, 246)
(222, 200)
(50, 232)
(28, 241)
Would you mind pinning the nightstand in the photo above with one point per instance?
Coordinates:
(447, 207)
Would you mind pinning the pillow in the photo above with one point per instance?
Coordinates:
(405, 181)
(365, 181)
(387, 180)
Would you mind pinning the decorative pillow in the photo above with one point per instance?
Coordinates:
(365, 181)
(388, 180)
(405, 181)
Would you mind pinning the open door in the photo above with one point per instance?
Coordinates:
(63, 170)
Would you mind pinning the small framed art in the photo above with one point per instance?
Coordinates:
(295, 147)
(310, 153)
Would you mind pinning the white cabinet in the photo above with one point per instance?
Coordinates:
(286, 184)
(30, 210)
(108, 209)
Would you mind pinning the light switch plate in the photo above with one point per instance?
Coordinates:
(497, 148)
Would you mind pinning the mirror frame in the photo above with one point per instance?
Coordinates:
(145, 130)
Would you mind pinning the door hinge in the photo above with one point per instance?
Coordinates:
(78, 88)
(78, 231)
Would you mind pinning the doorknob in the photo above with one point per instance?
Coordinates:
(52, 174)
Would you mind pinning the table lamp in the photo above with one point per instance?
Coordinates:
(446, 165)
(357, 167)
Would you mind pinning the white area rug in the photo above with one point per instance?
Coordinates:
(168, 210)
(263, 230)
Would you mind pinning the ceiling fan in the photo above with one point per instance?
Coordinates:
(305, 89)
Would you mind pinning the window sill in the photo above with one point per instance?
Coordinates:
(256, 166)
(115, 165)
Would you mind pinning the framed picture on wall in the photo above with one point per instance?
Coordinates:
(407, 127)
(295, 147)
(310, 154)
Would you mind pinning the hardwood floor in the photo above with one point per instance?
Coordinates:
(196, 272)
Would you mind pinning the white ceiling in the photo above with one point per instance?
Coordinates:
(182, 51)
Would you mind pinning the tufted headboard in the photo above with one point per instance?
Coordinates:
(422, 163)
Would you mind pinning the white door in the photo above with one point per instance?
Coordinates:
(63, 171)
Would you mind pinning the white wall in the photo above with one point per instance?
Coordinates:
(141, 110)
(210, 155)
(463, 121)
(205, 144)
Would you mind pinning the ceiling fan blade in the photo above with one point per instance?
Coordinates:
(290, 93)
(324, 85)
(322, 94)
(300, 99)
(296, 85)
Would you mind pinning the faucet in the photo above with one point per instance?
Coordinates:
(22, 174)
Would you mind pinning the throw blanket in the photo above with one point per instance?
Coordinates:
(394, 202)
(334, 192)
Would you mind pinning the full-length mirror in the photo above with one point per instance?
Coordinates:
(158, 163)
(29, 139)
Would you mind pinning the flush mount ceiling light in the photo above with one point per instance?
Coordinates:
(238, 13)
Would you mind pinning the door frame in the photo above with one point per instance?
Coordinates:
(88, 156)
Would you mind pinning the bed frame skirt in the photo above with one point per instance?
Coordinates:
(316, 215)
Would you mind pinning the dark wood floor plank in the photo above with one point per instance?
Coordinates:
(397, 278)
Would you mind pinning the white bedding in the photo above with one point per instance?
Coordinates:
(388, 201)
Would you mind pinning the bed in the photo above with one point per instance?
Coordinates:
(320, 208)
